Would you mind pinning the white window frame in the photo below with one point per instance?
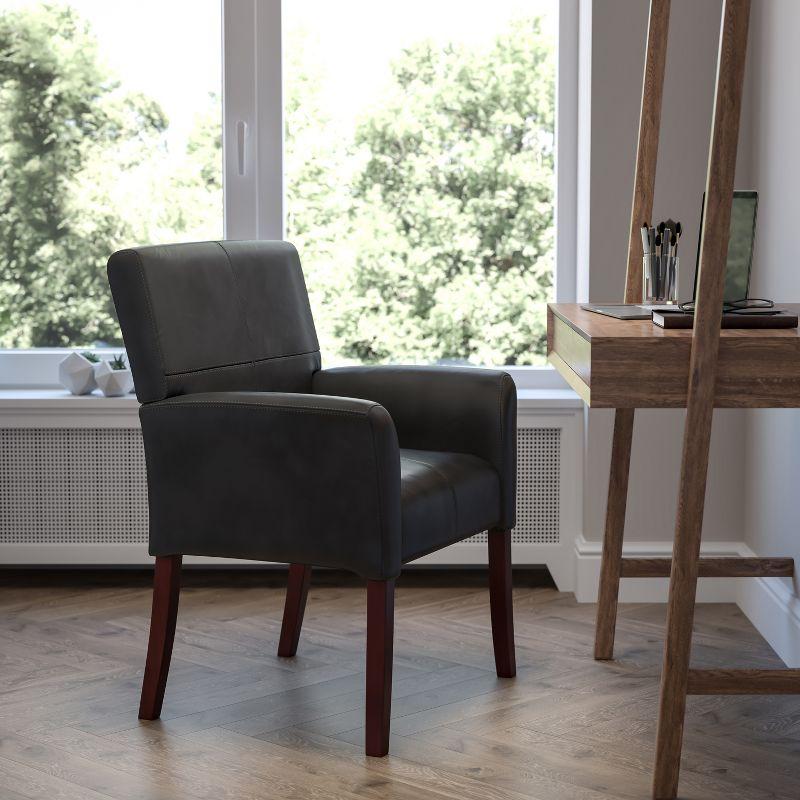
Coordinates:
(252, 102)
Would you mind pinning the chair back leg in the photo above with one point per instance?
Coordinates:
(500, 601)
(294, 609)
(166, 590)
(380, 640)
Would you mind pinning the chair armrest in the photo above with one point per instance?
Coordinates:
(291, 478)
(456, 409)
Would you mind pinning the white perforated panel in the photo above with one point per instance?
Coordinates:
(538, 487)
(72, 486)
(88, 486)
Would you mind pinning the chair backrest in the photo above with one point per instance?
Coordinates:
(214, 316)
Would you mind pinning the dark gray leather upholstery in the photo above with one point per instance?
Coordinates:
(274, 477)
(254, 452)
(444, 498)
(452, 409)
(214, 316)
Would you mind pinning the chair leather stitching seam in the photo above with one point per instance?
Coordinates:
(151, 314)
(506, 377)
(443, 477)
(148, 469)
(239, 364)
(291, 409)
(381, 531)
(240, 301)
(500, 415)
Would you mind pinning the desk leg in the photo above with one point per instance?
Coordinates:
(700, 395)
(612, 539)
(682, 591)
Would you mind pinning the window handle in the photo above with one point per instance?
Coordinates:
(241, 136)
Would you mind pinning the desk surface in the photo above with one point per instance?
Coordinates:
(614, 363)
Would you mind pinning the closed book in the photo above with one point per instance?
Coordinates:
(781, 319)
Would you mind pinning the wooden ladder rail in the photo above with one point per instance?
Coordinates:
(678, 680)
(700, 396)
(641, 211)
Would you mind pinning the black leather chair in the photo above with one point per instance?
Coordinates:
(253, 451)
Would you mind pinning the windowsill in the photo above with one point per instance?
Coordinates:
(57, 408)
(548, 398)
(57, 400)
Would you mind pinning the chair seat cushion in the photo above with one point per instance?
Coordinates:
(445, 497)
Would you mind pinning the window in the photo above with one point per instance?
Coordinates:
(110, 134)
(419, 174)
(408, 150)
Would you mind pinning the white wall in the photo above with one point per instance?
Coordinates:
(611, 85)
(773, 436)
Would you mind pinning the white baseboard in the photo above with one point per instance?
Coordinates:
(769, 603)
(650, 590)
(773, 607)
(461, 554)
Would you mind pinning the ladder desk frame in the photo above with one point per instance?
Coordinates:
(701, 385)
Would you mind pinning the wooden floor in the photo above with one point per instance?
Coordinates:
(240, 723)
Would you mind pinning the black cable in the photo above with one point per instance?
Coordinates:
(749, 305)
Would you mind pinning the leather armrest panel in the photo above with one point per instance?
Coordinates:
(292, 478)
(455, 409)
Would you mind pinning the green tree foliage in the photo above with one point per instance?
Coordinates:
(60, 115)
(84, 171)
(449, 255)
(426, 234)
(319, 169)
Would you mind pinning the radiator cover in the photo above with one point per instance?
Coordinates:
(88, 486)
(72, 486)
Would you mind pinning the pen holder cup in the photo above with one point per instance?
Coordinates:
(660, 279)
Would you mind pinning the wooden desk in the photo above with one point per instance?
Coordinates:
(614, 363)
(629, 364)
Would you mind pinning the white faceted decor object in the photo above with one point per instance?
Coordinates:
(113, 378)
(76, 374)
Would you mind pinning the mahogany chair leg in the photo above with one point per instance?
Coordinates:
(380, 636)
(500, 602)
(294, 609)
(166, 590)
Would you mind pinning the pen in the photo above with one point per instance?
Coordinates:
(657, 269)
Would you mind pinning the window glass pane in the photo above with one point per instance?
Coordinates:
(110, 136)
(420, 175)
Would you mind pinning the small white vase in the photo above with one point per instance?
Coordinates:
(113, 382)
(76, 374)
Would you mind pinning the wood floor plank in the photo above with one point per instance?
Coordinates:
(32, 784)
(240, 723)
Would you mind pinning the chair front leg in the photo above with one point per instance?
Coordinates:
(380, 640)
(500, 601)
(294, 609)
(166, 590)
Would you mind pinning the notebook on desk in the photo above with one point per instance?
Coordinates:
(778, 318)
